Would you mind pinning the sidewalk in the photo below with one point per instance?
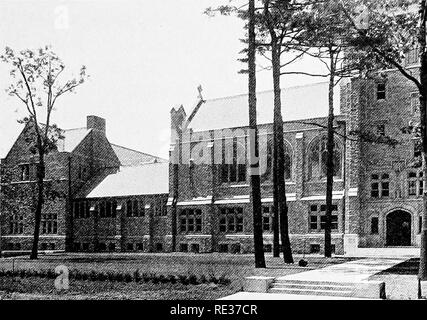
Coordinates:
(353, 271)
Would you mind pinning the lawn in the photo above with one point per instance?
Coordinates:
(232, 267)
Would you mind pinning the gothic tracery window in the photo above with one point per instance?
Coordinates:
(317, 158)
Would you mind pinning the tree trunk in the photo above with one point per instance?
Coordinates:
(422, 274)
(39, 206)
(330, 159)
(279, 156)
(253, 136)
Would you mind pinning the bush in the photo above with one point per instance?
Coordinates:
(145, 277)
(50, 274)
(183, 279)
(203, 279)
(171, 279)
(128, 277)
(192, 279)
(213, 279)
(93, 275)
(224, 281)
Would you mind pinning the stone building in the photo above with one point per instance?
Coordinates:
(110, 198)
(377, 189)
(83, 160)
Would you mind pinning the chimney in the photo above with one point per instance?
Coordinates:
(96, 123)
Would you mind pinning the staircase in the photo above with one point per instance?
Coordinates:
(318, 288)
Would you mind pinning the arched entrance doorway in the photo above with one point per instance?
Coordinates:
(398, 228)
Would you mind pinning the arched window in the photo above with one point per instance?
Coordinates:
(268, 172)
(317, 157)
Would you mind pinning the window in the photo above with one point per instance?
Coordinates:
(314, 248)
(380, 185)
(231, 220)
(16, 224)
(374, 225)
(420, 224)
(415, 102)
(190, 220)
(159, 247)
(129, 247)
(102, 246)
(195, 247)
(49, 223)
(160, 207)
(415, 184)
(381, 129)
(140, 247)
(24, 172)
(318, 156)
(268, 174)
(317, 218)
(110, 209)
(268, 248)
(233, 160)
(102, 209)
(81, 209)
(381, 93)
(267, 219)
(77, 246)
(223, 247)
(134, 208)
(112, 247)
(412, 56)
(85, 246)
(183, 247)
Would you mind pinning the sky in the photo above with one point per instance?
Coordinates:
(143, 57)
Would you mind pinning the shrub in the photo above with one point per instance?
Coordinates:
(213, 279)
(203, 279)
(171, 279)
(223, 280)
(119, 277)
(192, 279)
(137, 276)
(50, 274)
(155, 279)
(183, 279)
(93, 275)
(111, 276)
(146, 277)
(128, 277)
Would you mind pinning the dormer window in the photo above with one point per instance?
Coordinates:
(381, 91)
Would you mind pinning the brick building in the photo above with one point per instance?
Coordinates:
(111, 198)
(83, 163)
(377, 197)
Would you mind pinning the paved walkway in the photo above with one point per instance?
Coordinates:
(397, 252)
(353, 271)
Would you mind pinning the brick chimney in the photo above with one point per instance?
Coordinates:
(96, 123)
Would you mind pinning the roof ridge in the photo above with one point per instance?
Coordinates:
(130, 149)
(267, 90)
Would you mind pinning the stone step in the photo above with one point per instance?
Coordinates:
(312, 286)
(316, 292)
(314, 282)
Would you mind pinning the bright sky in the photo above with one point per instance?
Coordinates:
(144, 57)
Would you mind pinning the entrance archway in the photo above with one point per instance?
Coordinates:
(398, 228)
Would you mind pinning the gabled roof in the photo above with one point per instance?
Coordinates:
(147, 179)
(72, 138)
(298, 103)
(129, 157)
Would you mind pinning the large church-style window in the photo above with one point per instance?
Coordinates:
(317, 158)
(267, 173)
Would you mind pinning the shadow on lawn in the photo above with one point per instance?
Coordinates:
(409, 267)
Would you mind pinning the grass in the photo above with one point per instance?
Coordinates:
(198, 270)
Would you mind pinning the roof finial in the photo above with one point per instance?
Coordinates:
(200, 89)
